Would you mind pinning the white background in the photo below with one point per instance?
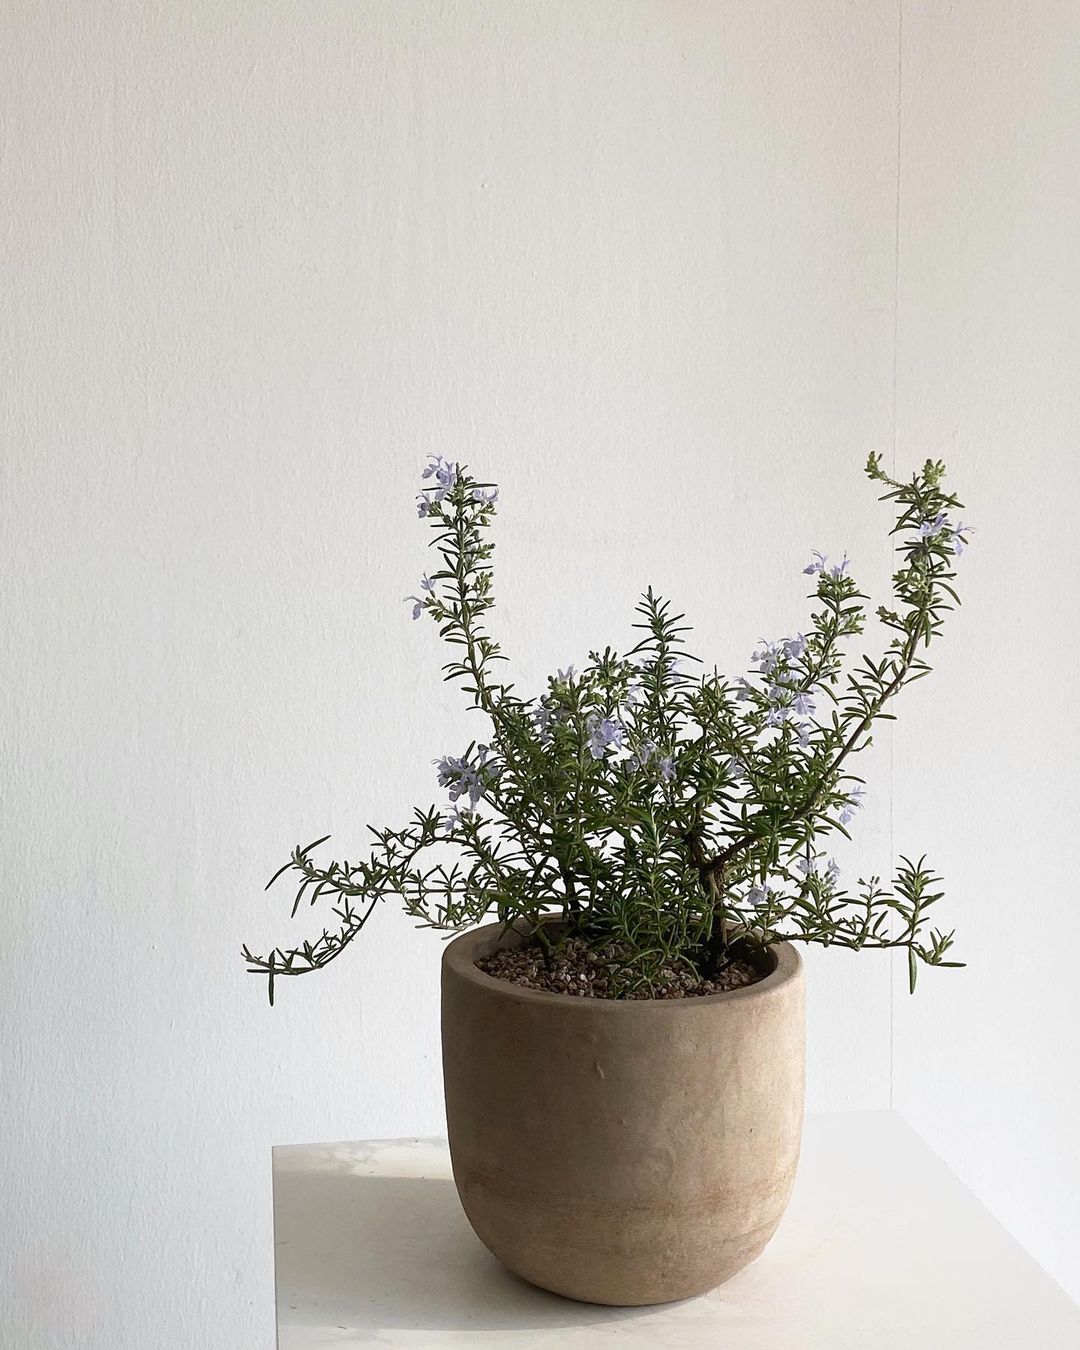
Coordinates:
(666, 272)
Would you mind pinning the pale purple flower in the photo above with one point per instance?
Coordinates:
(810, 865)
(930, 529)
(852, 803)
(804, 736)
(667, 768)
(643, 755)
(454, 818)
(777, 717)
(426, 584)
(565, 676)
(546, 717)
(444, 471)
(957, 539)
(459, 777)
(803, 705)
(821, 564)
(607, 734)
(417, 605)
(794, 647)
(817, 564)
(746, 690)
(489, 496)
(757, 896)
(767, 656)
(426, 502)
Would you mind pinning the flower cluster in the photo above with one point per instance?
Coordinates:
(460, 778)
(852, 803)
(654, 806)
(815, 865)
(819, 563)
(941, 527)
(607, 734)
(445, 474)
(790, 691)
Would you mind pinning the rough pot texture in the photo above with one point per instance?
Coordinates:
(622, 1151)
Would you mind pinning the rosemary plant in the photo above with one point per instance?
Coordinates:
(655, 806)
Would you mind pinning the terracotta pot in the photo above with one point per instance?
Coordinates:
(622, 1151)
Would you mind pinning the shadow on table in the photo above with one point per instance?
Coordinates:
(376, 1252)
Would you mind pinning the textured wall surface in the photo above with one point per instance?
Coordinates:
(987, 771)
(634, 261)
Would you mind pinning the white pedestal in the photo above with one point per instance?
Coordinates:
(881, 1249)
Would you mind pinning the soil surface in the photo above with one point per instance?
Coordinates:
(576, 968)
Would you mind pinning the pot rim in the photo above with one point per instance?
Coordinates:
(459, 959)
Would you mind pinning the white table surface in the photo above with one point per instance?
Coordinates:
(882, 1248)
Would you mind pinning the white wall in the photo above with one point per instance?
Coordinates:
(636, 262)
(987, 777)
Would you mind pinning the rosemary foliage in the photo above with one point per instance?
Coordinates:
(651, 804)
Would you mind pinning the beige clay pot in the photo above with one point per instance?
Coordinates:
(622, 1151)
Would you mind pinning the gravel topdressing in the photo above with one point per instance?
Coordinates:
(576, 968)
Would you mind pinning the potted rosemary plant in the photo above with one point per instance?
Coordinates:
(623, 1042)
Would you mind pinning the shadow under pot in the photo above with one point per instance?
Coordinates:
(622, 1151)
